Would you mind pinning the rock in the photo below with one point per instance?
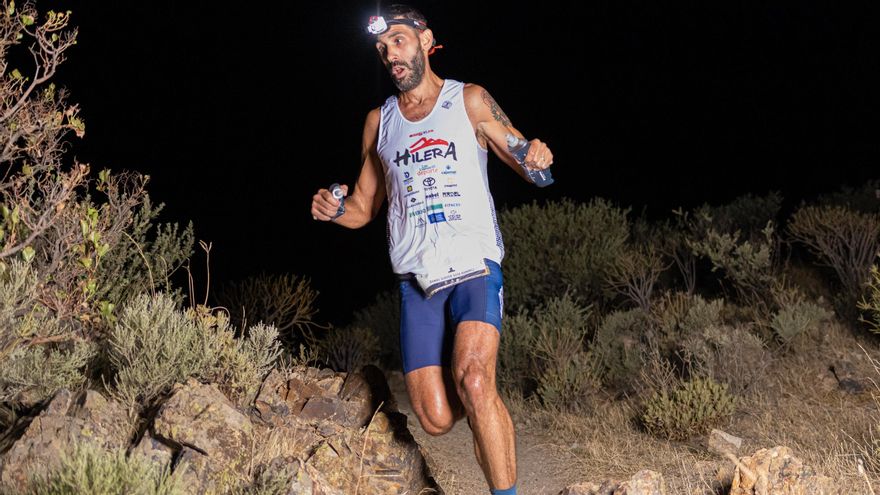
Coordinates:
(777, 472)
(381, 458)
(216, 439)
(848, 377)
(723, 443)
(69, 418)
(590, 489)
(645, 482)
(297, 479)
(317, 432)
(159, 453)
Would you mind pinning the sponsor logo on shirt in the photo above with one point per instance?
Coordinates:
(426, 149)
(451, 194)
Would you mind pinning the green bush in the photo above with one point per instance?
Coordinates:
(349, 348)
(73, 245)
(515, 373)
(843, 239)
(870, 304)
(286, 302)
(145, 257)
(635, 273)
(747, 264)
(154, 345)
(748, 214)
(37, 355)
(90, 469)
(729, 355)
(619, 346)
(544, 352)
(677, 317)
(560, 245)
(382, 318)
(797, 316)
(692, 409)
(864, 198)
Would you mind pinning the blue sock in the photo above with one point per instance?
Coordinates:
(509, 491)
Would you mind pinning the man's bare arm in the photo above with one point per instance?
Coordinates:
(363, 204)
(492, 125)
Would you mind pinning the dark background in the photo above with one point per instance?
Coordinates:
(240, 113)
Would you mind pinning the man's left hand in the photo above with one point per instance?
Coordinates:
(539, 156)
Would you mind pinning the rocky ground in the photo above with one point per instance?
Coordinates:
(545, 466)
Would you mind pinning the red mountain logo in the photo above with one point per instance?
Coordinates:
(425, 142)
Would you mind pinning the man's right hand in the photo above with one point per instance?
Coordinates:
(324, 205)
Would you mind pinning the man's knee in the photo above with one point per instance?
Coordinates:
(476, 385)
(435, 421)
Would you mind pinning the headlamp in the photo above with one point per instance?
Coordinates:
(379, 25)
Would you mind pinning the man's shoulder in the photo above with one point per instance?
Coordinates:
(473, 91)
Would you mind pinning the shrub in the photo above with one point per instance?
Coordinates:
(748, 214)
(514, 371)
(286, 302)
(677, 317)
(634, 274)
(620, 348)
(692, 409)
(796, 316)
(871, 303)
(864, 198)
(566, 372)
(90, 469)
(37, 354)
(382, 318)
(349, 348)
(747, 264)
(73, 231)
(145, 258)
(845, 240)
(729, 355)
(154, 345)
(544, 352)
(560, 245)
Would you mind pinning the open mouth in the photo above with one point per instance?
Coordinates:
(398, 71)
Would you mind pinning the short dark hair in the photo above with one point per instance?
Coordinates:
(398, 10)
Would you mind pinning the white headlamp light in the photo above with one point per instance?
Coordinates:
(379, 25)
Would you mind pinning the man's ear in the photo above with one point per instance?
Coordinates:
(426, 38)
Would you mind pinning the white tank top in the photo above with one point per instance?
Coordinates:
(441, 217)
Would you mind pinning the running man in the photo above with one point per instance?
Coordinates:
(425, 150)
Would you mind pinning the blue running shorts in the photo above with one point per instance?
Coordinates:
(427, 326)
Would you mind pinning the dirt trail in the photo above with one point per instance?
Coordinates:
(544, 467)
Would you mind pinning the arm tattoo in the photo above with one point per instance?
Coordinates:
(497, 112)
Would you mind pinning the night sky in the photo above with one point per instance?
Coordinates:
(240, 114)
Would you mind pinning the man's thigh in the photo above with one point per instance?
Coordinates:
(424, 338)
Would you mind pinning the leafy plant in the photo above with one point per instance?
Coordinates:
(90, 469)
(847, 241)
(560, 245)
(691, 409)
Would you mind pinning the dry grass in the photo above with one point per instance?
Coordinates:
(796, 403)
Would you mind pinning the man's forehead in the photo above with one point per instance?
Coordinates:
(396, 29)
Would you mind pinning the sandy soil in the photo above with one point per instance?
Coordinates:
(544, 465)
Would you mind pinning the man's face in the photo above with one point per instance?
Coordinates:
(401, 52)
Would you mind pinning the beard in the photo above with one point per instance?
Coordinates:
(416, 68)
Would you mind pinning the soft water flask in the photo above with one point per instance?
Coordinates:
(519, 147)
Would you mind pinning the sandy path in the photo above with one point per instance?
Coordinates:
(544, 468)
